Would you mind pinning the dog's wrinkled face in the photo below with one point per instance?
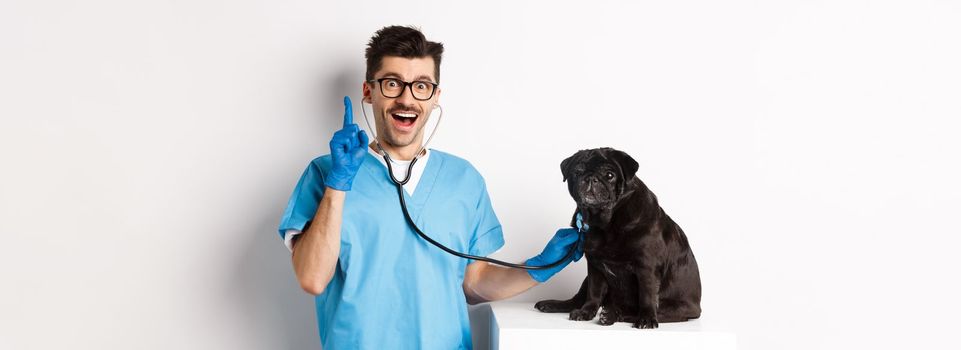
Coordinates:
(596, 178)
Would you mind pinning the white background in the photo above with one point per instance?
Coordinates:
(808, 148)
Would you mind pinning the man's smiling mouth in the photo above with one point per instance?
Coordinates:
(404, 119)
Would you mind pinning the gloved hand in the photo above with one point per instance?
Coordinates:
(556, 249)
(347, 150)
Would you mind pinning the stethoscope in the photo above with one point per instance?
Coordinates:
(403, 204)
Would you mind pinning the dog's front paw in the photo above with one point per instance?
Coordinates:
(553, 306)
(583, 315)
(642, 322)
(609, 316)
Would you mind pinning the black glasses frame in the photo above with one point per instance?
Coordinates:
(408, 85)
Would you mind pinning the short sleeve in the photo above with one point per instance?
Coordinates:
(303, 201)
(488, 236)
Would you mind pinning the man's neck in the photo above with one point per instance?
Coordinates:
(398, 153)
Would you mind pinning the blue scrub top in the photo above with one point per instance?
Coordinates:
(392, 289)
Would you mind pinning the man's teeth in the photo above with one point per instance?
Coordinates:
(406, 115)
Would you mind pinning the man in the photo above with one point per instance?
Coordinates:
(378, 285)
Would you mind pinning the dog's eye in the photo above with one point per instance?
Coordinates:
(610, 175)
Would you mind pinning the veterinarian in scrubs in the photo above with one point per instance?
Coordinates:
(377, 284)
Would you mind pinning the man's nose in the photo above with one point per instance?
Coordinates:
(406, 97)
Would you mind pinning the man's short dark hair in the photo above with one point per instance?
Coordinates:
(406, 42)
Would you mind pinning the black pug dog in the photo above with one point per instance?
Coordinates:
(640, 267)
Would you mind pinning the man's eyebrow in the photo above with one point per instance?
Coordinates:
(425, 78)
(392, 75)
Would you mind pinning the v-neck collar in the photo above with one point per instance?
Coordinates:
(401, 168)
(425, 186)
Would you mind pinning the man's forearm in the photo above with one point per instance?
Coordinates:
(495, 282)
(317, 249)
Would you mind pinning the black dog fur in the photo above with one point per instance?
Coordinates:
(640, 267)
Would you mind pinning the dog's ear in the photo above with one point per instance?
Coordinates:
(567, 166)
(628, 165)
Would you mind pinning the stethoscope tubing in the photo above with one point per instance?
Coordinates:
(410, 221)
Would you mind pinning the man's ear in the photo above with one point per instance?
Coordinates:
(628, 165)
(365, 90)
(568, 164)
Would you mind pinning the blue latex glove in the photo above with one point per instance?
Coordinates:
(347, 150)
(555, 250)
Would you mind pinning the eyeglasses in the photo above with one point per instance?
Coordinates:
(393, 88)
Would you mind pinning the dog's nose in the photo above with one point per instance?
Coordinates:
(590, 182)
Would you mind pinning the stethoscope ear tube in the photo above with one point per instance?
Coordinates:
(422, 147)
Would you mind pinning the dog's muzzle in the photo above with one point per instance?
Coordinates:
(594, 192)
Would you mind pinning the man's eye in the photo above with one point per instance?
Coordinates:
(392, 83)
(420, 86)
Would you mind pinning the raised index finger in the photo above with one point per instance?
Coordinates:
(348, 112)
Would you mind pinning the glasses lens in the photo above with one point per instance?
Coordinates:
(391, 87)
(422, 90)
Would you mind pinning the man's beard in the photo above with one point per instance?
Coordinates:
(399, 140)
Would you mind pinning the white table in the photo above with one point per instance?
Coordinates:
(517, 325)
